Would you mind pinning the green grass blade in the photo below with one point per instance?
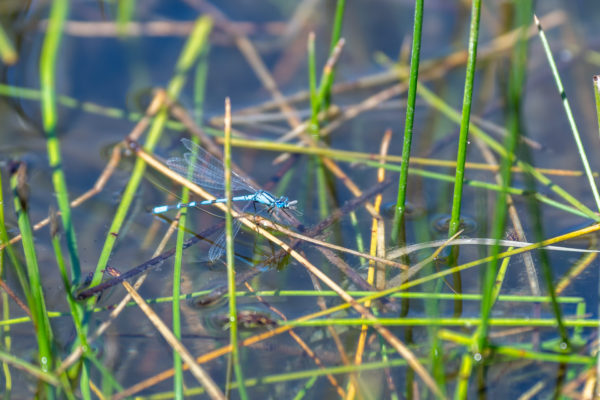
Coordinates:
(516, 80)
(409, 120)
(466, 115)
(568, 112)
(125, 10)
(37, 304)
(14, 260)
(597, 97)
(328, 78)
(7, 50)
(58, 15)
(312, 85)
(233, 319)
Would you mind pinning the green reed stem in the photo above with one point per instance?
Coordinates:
(76, 309)
(521, 353)
(199, 91)
(464, 373)
(449, 321)
(192, 48)
(233, 326)
(316, 101)
(50, 48)
(7, 50)
(14, 260)
(336, 33)
(328, 77)
(312, 85)
(596, 80)
(7, 340)
(570, 117)
(37, 304)
(360, 245)
(304, 390)
(315, 105)
(516, 82)
(409, 120)
(466, 368)
(125, 10)
(175, 306)
(466, 115)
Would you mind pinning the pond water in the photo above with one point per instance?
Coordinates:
(106, 80)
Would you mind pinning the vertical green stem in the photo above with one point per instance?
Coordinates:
(409, 120)
(37, 305)
(312, 84)
(466, 114)
(58, 15)
(6, 345)
(177, 363)
(337, 23)
(461, 156)
(14, 260)
(596, 79)
(199, 86)
(233, 327)
(327, 79)
(315, 104)
(125, 9)
(516, 82)
(7, 50)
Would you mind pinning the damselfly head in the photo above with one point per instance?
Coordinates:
(282, 202)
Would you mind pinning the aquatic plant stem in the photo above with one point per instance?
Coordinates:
(408, 122)
(312, 85)
(568, 112)
(175, 307)
(596, 80)
(58, 15)
(515, 88)
(125, 12)
(329, 74)
(466, 114)
(37, 304)
(12, 256)
(7, 50)
(454, 225)
(315, 104)
(233, 319)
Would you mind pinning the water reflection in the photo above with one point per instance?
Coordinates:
(441, 223)
(412, 211)
(250, 318)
